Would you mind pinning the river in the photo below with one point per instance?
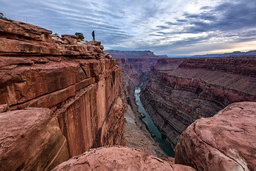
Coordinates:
(158, 137)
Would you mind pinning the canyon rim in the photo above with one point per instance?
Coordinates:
(68, 105)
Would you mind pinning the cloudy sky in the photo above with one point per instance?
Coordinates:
(171, 27)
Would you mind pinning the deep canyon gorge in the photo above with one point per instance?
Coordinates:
(68, 105)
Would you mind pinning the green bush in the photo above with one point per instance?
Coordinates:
(79, 35)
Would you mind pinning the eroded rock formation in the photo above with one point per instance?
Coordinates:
(225, 141)
(119, 158)
(31, 139)
(77, 81)
(176, 96)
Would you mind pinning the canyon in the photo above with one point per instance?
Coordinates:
(68, 105)
(179, 92)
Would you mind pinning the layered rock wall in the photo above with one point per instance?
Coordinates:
(175, 98)
(77, 81)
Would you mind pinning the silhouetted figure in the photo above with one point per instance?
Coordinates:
(93, 35)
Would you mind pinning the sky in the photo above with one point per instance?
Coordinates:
(166, 27)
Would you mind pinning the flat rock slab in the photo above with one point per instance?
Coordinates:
(31, 139)
(226, 141)
(118, 158)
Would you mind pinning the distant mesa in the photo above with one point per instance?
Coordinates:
(232, 54)
(131, 54)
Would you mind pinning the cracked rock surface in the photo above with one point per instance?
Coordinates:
(119, 158)
(226, 141)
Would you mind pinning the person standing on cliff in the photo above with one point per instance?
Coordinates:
(93, 35)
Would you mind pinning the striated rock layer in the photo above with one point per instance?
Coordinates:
(226, 141)
(176, 96)
(119, 158)
(76, 80)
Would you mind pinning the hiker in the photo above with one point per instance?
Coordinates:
(93, 35)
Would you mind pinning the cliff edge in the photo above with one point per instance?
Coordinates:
(52, 86)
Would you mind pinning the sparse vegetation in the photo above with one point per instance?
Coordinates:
(56, 34)
(80, 36)
(2, 16)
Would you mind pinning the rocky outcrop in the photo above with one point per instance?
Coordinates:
(176, 97)
(119, 158)
(31, 139)
(131, 54)
(77, 81)
(18, 38)
(223, 142)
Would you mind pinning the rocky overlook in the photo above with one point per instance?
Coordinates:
(176, 96)
(60, 97)
(62, 105)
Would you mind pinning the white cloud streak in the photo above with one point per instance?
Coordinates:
(177, 27)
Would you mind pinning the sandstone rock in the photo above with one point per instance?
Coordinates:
(223, 142)
(24, 29)
(31, 139)
(77, 81)
(118, 158)
(4, 108)
(20, 38)
(72, 39)
(179, 93)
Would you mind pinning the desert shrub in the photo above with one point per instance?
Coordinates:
(79, 35)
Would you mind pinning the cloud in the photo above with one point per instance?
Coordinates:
(175, 27)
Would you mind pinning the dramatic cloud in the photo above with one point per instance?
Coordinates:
(174, 27)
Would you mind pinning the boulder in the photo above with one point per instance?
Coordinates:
(21, 29)
(226, 141)
(72, 39)
(31, 139)
(118, 158)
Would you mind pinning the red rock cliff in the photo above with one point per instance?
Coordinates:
(76, 80)
(176, 97)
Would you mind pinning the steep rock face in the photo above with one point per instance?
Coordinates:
(118, 158)
(77, 81)
(223, 142)
(27, 136)
(175, 98)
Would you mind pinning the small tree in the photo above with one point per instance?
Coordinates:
(2, 16)
(79, 35)
(56, 34)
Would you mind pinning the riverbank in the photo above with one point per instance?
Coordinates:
(152, 128)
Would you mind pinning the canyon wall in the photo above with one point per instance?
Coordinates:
(59, 94)
(175, 96)
(136, 134)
